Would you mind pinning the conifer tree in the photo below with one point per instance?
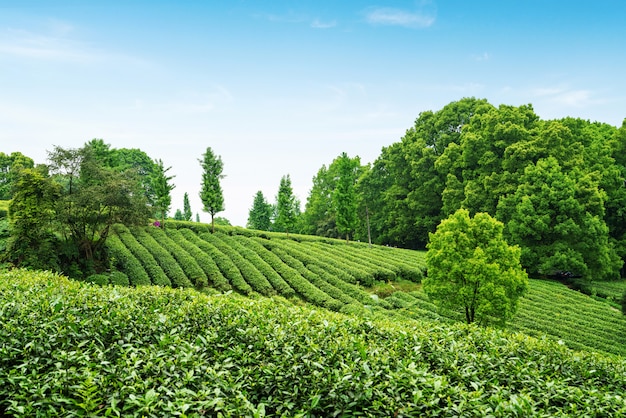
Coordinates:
(287, 207)
(260, 215)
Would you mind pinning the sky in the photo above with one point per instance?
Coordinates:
(283, 87)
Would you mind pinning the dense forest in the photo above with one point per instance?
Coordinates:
(557, 185)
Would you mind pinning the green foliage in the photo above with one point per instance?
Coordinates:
(186, 208)
(260, 214)
(4, 208)
(344, 196)
(556, 216)
(99, 279)
(225, 264)
(10, 166)
(118, 278)
(331, 207)
(192, 270)
(145, 257)
(31, 218)
(262, 258)
(287, 207)
(163, 256)
(210, 190)
(201, 250)
(162, 187)
(94, 197)
(578, 321)
(178, 215)
(71, 349)
(122, 259)
(471, 267)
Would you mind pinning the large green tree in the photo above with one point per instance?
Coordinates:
(557, 217)
(318, 217)
(32, 243)
(93, 198)
(405, 190)
(260, 214)
(334, 190)
(211, 190)
(344, 196)
(10, 166)
(472, 268)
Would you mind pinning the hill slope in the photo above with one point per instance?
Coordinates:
(71, 348)
(338, 276)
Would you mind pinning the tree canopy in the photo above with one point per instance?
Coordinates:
(505, 161)
(61, 214)
(471, 267)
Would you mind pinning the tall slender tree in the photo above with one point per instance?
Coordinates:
(186, 208)
(211, 190)
(162, 188)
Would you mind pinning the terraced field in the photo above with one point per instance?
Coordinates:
(338, 276)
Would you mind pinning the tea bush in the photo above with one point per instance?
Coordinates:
(75, 349)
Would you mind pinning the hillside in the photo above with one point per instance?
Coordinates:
(338, 276)
(72, 348)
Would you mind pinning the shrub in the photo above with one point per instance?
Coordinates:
(167, 262)
(188, 264)
(226, 265)
(147, 260)
(118, 278)
(250, 273)
(201, 253)
(69, 349)
(124, 260)
(261, 255)
(99, 279)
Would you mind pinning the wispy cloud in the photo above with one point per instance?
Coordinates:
(318, 24)
(397, 17)
(566, 96)
(289, 17)
(485, 56)
(299, 18)
(54, 44)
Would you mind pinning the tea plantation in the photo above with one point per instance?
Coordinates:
(290, 325)
(76, 349)
(338, 276)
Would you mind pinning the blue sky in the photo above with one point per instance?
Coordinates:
(284, 87)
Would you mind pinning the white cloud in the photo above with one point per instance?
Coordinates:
(55, 45)
(485, 56)
(397, 17)
(318, 24)
(565, 96)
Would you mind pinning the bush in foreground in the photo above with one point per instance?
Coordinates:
(72, 348)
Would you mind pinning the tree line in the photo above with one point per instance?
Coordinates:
(60, 214)
(558, 186)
